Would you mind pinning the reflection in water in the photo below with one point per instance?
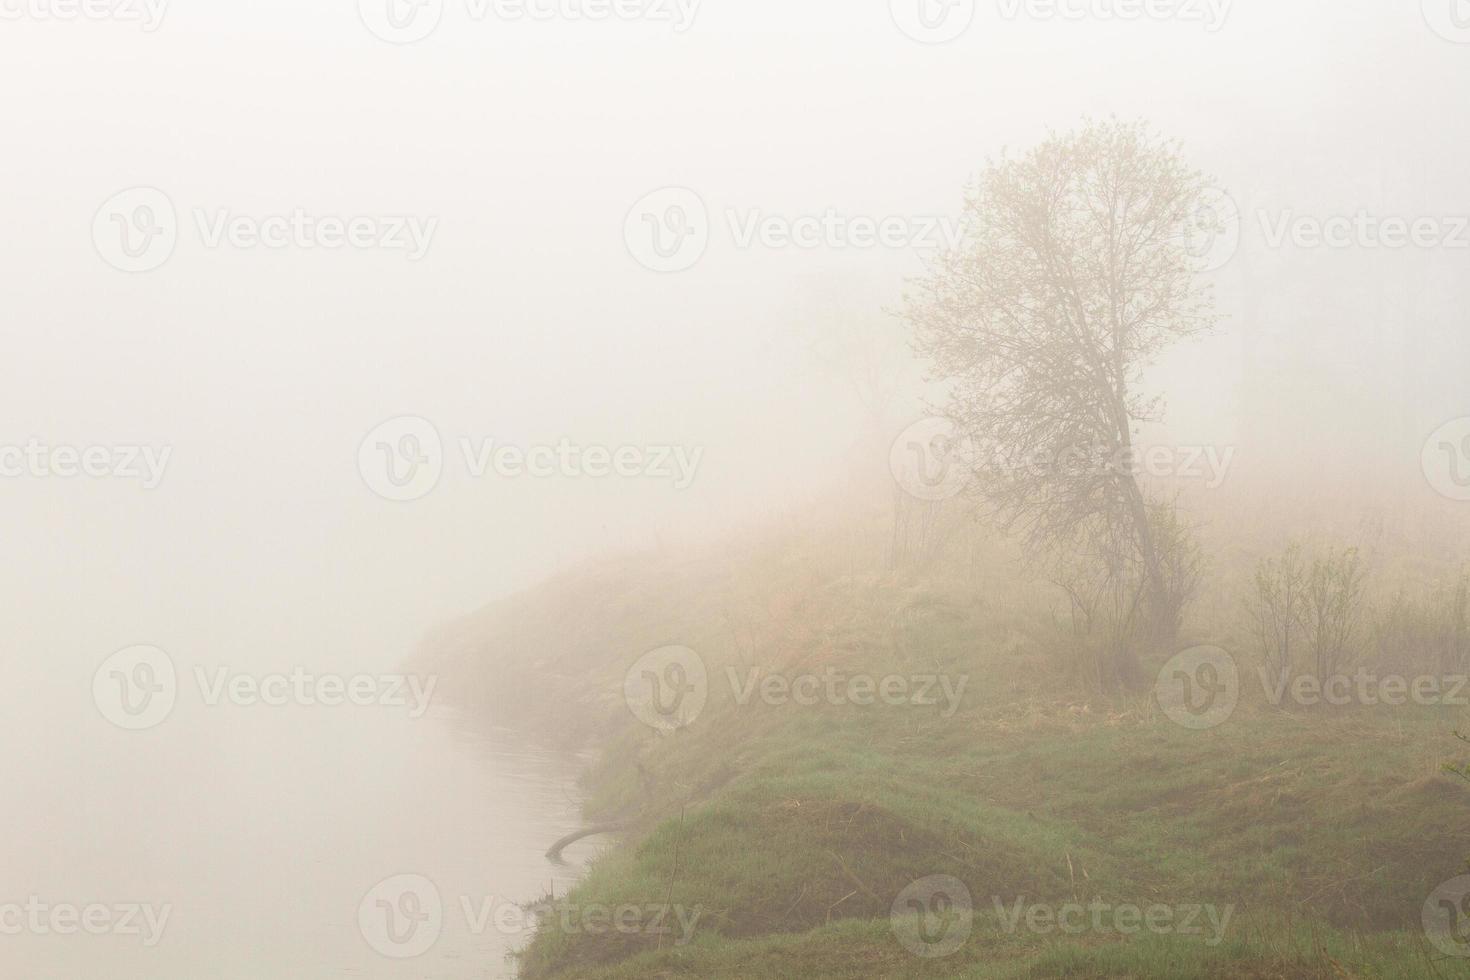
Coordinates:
(265, 829)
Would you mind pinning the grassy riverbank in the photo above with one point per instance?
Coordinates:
(1307, 841)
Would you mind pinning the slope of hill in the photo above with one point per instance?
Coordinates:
(894, 776)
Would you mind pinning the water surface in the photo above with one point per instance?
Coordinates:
(265, 829)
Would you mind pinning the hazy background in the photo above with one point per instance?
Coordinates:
(529, 321)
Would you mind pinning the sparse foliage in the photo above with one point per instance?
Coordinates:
(1430, 632)
(1278, 607)
(1072, 277)
(1308, 616)
(1181, 567)
(1334, 610)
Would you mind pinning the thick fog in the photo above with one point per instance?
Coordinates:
(507, 287)
(526, 320)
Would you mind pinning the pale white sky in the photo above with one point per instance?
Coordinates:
(528, 320)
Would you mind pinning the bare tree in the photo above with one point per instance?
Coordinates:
(1307, 616)
(1074, 273)
(1334, 597)
(1278, 607)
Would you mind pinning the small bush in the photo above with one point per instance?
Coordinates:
(1426, 633)
(1308, 615)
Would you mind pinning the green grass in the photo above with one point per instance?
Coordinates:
(854, 949)
(794, 829)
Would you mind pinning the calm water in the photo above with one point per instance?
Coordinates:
(265, 830)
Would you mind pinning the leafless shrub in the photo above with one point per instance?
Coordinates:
(1334, 610)
(1429, 633)
(1181, 567)
(1278, 607)
(1106, 594)
(922, 529)
(1308, 615)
